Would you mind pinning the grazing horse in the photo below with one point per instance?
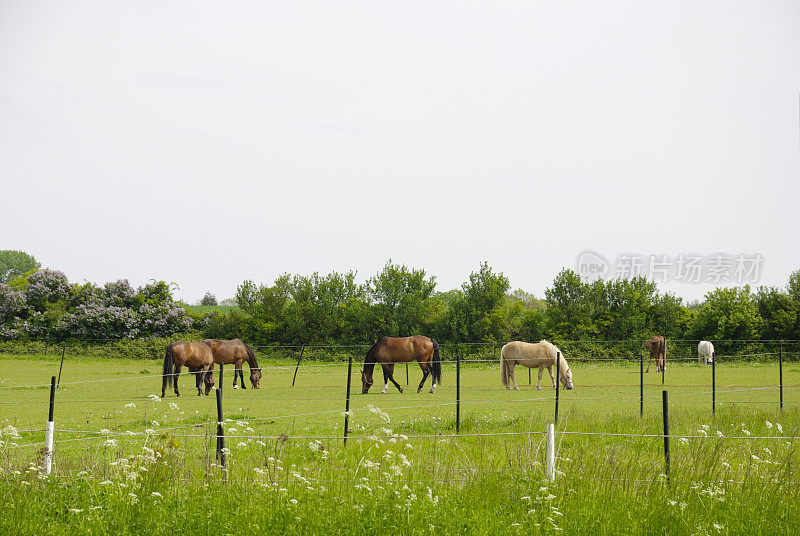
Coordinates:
(541, 354)
(705, 352)
(196, 356)
(390, 350)
(236, 351)
(658, 351)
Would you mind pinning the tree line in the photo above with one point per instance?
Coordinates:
(335, 308)
(399, 301)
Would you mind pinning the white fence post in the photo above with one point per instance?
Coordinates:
(48, 431)
(551, 452)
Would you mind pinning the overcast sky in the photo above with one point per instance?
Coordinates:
(207, 143)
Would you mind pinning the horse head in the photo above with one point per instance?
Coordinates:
(209, 381)
(255, 377)
(366, 382)
(566, 379)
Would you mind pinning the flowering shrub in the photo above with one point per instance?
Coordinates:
(51, 307)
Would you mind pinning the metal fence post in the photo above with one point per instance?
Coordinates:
(713, 386)
(665, 412)
(347, 400)
(780, 367)
(458, 392)
(558, 381)
(641, 385)
(219, 384)
(302, 349)
(63, 351)
(221, 434)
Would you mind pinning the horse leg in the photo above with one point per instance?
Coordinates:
(386, 374)
(241, 376)
(424, 377)
(177, 373)
(391, 378)
(552, 378)
(196, 373)
(200, 378)
(539, 381)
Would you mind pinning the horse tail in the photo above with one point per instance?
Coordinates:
(436, 364)
(506, 366)
(169, 366)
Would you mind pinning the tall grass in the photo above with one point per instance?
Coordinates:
(282, 479)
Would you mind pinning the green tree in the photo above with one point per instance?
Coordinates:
(475, 314)
(15, 264)
(780, 310)
(209, 299)
(568, 310)
(402, 299)
(728, 313)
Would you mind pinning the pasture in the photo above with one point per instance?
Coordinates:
(127, 461)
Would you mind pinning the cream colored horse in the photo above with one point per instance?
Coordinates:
(532, 355)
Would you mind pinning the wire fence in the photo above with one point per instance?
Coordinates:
(325, 385)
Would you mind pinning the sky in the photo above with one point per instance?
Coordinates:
(207, 143)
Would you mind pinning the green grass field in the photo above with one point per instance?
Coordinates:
(402, 470)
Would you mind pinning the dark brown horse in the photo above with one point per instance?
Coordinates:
(657, 348)
(236, 351)
(196, 356)
(390, 350)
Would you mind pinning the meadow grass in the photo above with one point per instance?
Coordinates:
(129, 462)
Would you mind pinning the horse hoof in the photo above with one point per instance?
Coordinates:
(516, 388)
(401, 391)
(538, 388)
(431, 391)
(235, 386)
(419, 391)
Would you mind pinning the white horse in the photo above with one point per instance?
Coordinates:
(541, 354)
(705, 352)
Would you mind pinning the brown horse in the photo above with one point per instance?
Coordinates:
(236, 351)
(390, 350)
(657, 347)
(196, 356)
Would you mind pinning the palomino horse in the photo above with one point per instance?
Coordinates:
(657, 348)
(532, 355)
(390, 350)
(236, 351)
(195, 355)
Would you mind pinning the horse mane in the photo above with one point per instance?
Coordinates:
(369, 360)
(557, 354)
(251, 356)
